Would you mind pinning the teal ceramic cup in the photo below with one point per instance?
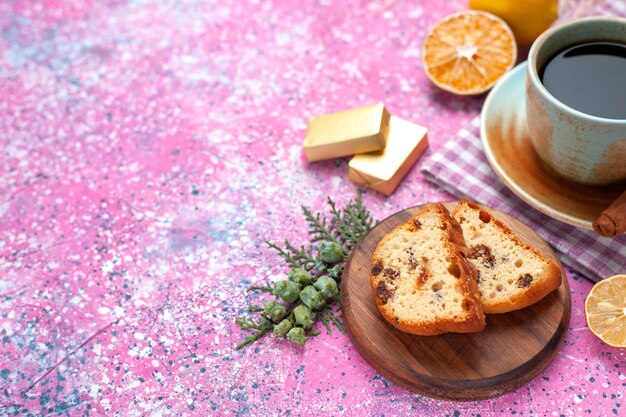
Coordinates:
(577, 146)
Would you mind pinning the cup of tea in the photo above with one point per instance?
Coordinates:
(576, 99)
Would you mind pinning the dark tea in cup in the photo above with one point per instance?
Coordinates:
(576, 99)
(589, 77)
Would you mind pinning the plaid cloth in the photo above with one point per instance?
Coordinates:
(467, 173)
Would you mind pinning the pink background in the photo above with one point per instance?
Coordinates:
(148, 150)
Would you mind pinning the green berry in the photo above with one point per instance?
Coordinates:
(303, 316)
(274, 311)
(297, 336)
(299, 275)
(311, 297)
(326, 286)
(335, 272)
(282, 328)
(330, 252)
(287, 290)
(320, 266)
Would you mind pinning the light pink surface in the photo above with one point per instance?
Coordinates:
(148, 150)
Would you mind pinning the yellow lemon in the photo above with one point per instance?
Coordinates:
(527, 18)
(605, 310)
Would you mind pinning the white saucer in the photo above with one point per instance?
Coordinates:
(510, 153)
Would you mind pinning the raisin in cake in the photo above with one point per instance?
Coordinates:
(421, 282)
(511, 274)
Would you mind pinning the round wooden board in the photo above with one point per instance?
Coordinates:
(512, 350)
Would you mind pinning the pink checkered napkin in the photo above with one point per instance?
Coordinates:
(461, 168)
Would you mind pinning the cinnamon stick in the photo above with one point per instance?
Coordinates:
(612, 221)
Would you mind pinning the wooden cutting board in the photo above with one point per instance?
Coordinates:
(512, 350)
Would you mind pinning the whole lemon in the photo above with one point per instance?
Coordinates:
(527, 18)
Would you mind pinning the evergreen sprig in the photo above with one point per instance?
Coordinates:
(352, 223)
(310, 292)
(295, 257)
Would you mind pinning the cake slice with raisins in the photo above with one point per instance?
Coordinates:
(421, 281)
(510, 274)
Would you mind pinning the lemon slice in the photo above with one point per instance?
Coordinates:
(465, 53)
(605, 310)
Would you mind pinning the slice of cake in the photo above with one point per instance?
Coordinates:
(511, 274)
(421, 282)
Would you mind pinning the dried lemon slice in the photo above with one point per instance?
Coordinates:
(605, 310)
(467, 52)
